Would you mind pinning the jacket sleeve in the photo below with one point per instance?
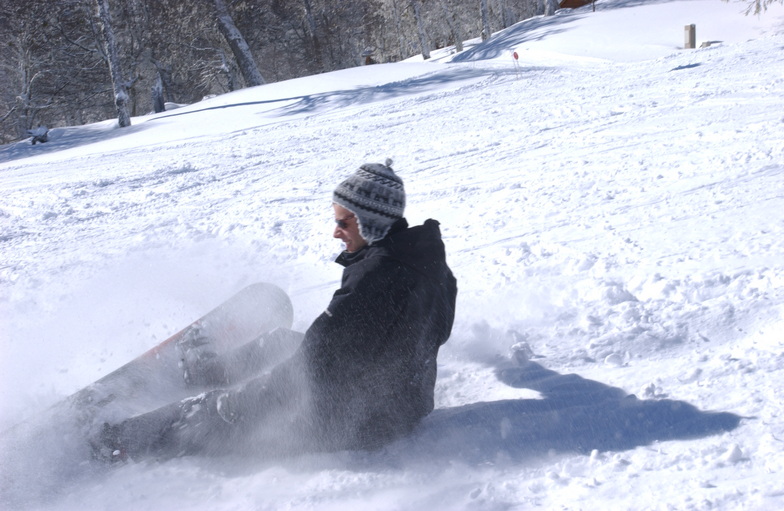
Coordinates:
(370, 300)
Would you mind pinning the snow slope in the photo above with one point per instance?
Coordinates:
(613, 201)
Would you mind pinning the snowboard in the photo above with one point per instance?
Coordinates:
(152, 379)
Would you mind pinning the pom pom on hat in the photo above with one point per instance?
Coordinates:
(375, 194)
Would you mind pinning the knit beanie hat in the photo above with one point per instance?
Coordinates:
(376, 196)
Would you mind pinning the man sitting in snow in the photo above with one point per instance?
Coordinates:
(364, 372)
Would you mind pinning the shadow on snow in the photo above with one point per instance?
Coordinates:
(67, 138)
(507, 40)
(523, 32)
(574, 415)
(70, 137)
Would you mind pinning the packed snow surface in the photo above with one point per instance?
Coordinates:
(613, 210)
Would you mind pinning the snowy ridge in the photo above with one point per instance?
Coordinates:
(613, 214)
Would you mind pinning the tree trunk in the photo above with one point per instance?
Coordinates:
(401, 40)
(158, 102)
(454, 26)
(486, 32)
(421, 29)
(115, 70)
(319, 48)
(240, 49)
(24, 100)
(232, 80)
(550, 7)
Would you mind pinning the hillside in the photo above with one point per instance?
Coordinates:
(610, 199)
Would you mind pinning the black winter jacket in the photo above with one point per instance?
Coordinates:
(371, 356)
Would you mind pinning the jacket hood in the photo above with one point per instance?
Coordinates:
(419, 247)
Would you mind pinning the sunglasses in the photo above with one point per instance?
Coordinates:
(342, 222)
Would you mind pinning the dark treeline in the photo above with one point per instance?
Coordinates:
(71, 62)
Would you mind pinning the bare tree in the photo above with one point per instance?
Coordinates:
(423, 42)
(55, 54)
(21, 69)
(398, 18)
(486, 32)
(187, 51)
(44, 79)
(315, 36)
(113, 59)
(505, 13)
(239, 47)
(453, 24)
(138, 44)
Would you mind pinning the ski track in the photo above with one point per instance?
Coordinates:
(621, 218)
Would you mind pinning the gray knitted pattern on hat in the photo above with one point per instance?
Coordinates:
(375, 194)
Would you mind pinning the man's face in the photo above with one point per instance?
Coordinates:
(347, 229)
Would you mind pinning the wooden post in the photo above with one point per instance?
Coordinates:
(690, 34)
